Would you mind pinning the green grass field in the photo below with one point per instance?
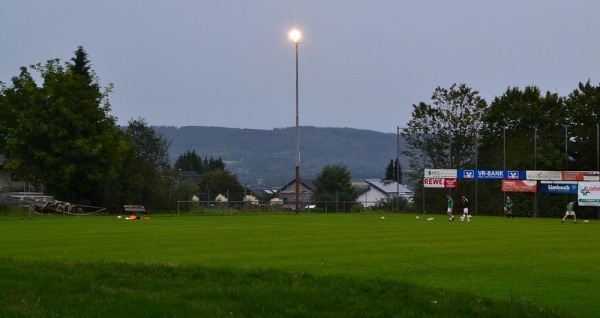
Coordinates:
(541, 264)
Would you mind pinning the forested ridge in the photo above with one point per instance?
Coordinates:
(267, 157)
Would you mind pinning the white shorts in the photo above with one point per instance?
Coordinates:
(569, 213)
(449, 210)
(466, 211)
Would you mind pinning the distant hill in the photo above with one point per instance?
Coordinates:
(267, 157)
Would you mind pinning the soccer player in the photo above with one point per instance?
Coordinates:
(508, 207)
(570, 211)
(450, 207)
(464, 203)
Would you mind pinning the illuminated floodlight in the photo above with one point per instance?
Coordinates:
(295, 36)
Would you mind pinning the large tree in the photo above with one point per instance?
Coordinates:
(444, 133)
(334, 185)
(445, 130)
(523, 129)
(60, 133)
(146, 170)
(583, 109)
(531, 125)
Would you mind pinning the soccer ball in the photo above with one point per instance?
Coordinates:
(383, 217)
(118, 217)
(429, 219)
(586, 221)
(417, 217)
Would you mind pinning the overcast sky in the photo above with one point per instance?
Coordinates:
(363, 64)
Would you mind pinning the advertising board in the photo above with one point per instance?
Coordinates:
(440, 183)
(558, 187)
(519, 186)
(588, 193)
(440, 173)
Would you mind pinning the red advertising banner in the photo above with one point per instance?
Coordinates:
(580, 175)
(519, 186)
(450, 183)
(440, 183)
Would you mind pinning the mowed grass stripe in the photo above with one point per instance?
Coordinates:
(99, 289)
(540, 260)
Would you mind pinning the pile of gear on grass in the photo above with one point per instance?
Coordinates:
(135, 217)
(44, 204)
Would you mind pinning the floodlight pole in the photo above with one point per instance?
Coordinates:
(398, 168)
(535, 167)
(297, 138)
(566, 148)
(295, 37)
(503, 160)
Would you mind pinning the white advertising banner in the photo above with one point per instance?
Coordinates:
(588, 193)
(543, 175)
(441, 173)
(433, 183)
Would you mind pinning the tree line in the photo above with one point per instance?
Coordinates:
(60, 137)
(522, 129)
(60, 134)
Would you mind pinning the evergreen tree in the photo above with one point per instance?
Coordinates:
(390, 171)
(393, 171)
(190, 161)
(215, 164)
(81, 66)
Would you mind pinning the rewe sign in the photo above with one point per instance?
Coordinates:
(440, 183)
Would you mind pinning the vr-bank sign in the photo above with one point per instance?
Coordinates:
(491, 174)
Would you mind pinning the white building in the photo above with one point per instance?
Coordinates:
(372, 191)
(10, 181)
